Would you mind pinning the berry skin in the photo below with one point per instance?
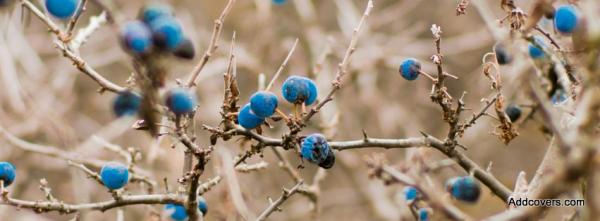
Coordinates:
(177, 212)
(513, 112)
(181, 101)
(62, 9)
(410, 68)
(185, 50)
(410, 193)
(126, 103)
(167, 32)
(423, 214)
(566, 19)
(464, 188)
(263, 103)
(297, 89)
(114, 175)
(247, 119)
(153, 11)
(534, 51)
(279, 2)
(559, 96)
(502, 56)
(136, 37)
(7, 173)
(316, 150)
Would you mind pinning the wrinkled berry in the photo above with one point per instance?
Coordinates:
(513, 112)
(181, 101)
(167, 32)
(126, 103)
(566, 19)
(410, 193)
(316, 150)
(297, 89)
(502, 56)
(249, 120)
(410, 69)
(136, 37)
(263, 103)
(7, 173)
(534, 50)
(464, 188)
(62, 9)
(114, 175)
(153, 11)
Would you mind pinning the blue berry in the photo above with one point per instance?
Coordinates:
(263, 103)
(464, 188)
(155, 10)
(559, 96)
(62, 9)
(297, 89)
(177, 212)
(7, 173)
(410, 193)
(410, 68)
(167, 32)
(279, 2)
(4, 2)
(181, 101)
(247, 118)
(513, 111)
(423, 214)
(316, 150)
(114, 175)
(566, 19)
(136, 37)
(502, 56)
(126, 103)
(535, 51)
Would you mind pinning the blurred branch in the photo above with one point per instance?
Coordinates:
(275, 205)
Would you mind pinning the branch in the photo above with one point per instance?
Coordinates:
(275, 205)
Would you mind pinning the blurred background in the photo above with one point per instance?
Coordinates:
(45, 100)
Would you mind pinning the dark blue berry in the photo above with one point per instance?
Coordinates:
(202, 205)
(185, 50)
(263, 103)
(167, 32)
(410, 193)
(535, 51)
(502, 56)
(155, 10)
(136, 37)
(249, 120)
(62, 9)
(464, 188)
(126, 103)
(297, 89)
(114, 175)
(316, 150)
(410, 69)
(7, 173)
(566, 19)
(513, 112)
(559, 96)
(329, 161)
(181, 101)
(177, 212)
(423, 214)
(279, 2)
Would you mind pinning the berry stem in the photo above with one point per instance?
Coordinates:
(428, 76)
(282, 114)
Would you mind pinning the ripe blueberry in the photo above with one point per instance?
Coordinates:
(297, 89)
(279, 2)
(410, 193)
(7, 173)
(153, 11)
(62, 9)
(534, 50)
(126, 103)
(316, 150)
(513, 111)
(464, 188)
(136, 37)
(502, 56)
(114, 175)
(566, 19)
(410, 69)
(185, 50)
(423, 214)
(177, 212)
(167, 32)
(247, 118)
(263, 103)
(181, 101)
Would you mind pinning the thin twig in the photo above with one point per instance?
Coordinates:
(275, 205)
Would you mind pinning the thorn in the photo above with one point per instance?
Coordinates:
(365, 136)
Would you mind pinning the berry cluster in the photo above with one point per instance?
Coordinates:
(180, 101)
